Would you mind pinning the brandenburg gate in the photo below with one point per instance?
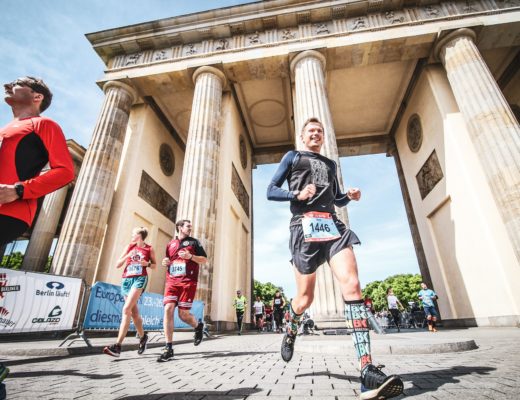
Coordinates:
(193, 103)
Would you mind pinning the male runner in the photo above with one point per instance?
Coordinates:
(427, 296)
(27, 144)
(317, 235)
(240, 304)
(184, 254)
(278, 305)
(258, 307)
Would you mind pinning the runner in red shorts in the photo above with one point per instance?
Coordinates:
(184, 254)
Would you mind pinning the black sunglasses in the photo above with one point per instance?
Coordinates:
(33, 84)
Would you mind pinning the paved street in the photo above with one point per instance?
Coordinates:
(249, 366)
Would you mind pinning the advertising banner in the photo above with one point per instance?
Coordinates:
(105, 307)
(32, 302)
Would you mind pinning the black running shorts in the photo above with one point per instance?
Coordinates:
(308, 256)
(11, 228)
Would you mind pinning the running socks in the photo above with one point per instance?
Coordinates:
(169, 346)
(295, 319)
(356, 316)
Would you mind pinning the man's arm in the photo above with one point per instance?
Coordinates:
(274, 190)
(200, 256)
(60, 162)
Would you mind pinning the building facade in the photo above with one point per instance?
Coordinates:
(193, 103)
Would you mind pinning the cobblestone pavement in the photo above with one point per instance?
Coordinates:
(249, 366)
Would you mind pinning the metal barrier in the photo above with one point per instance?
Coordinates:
(38, 302)
(105, 308)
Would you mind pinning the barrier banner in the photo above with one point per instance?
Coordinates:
(105, 307)
(33, 302)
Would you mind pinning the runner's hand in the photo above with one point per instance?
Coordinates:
(165, 262)
(7, 194)
(354, 194)
(307, 192)
(185, 254)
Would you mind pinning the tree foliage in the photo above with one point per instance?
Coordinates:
(405, 286)
(13, 260)
(266, 291)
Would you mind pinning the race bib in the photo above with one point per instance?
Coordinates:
(134, 269)
(178, 268)
(277, 301)
(319, 227)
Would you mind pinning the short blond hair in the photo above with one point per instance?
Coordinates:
(312, 120)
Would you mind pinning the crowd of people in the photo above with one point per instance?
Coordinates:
(415, 315)
(268, 315)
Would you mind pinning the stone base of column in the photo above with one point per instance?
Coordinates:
(322, 323)
(498, 321)
(230, 326)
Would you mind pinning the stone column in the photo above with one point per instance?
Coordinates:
(308, 70)
(44, 230)
(197, 200)
(82, 234)
(494, 130)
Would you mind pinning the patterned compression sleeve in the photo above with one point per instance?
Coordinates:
(357, 319)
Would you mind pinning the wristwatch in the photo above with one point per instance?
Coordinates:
(19, 189)
(296, 193)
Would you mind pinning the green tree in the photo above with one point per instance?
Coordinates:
(405, 286)
(266, 291)
(48, 264)
(13, 261)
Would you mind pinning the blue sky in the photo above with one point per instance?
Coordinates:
(46, 39)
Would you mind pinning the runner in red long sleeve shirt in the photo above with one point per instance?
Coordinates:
(27, 144)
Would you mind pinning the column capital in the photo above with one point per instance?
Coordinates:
(210, 70)
(440, 46)
(124, 86)
(308, 54)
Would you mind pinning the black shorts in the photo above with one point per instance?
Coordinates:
(11, 228)
(308, 256)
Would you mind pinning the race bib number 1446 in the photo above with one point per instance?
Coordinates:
(319, 227)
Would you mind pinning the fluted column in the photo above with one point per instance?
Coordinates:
(494, 130)
(197, 200)
(82, 234)
(308, 69)
(44, 230)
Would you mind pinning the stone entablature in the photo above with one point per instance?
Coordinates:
(309, 31)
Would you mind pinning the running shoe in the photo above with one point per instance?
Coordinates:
(199, 333)
(287, 349)
(114, 350)
(142, 344)
(4, 371)
(166, 355)
(375, 384)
